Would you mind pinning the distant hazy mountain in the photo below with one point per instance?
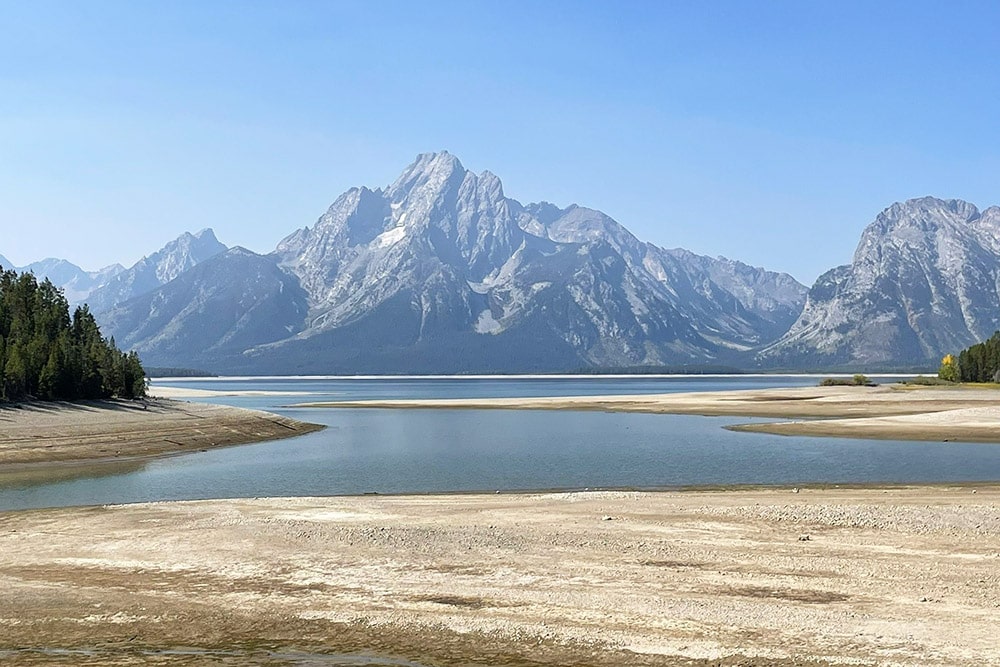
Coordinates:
(105, 288)
(75, 282)
(215, 310)
(6, 263)
(59, 271)
(441, 272)
(157, 269)
(925, 281)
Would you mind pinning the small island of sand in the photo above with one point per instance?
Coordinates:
(899, 412)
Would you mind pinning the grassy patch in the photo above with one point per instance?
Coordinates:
(928, 381)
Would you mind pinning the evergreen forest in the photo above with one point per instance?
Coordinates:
(981, 362)
(47, 354)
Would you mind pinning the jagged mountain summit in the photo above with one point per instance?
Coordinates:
(442, 272)
(924, 281)
(155, 270)
(105, 288)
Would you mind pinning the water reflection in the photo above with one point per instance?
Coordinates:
(28, 475)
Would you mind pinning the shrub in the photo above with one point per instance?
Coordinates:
(857, 380)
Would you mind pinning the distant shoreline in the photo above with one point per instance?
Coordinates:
(884, 412)
(49, 435)
(529, 376)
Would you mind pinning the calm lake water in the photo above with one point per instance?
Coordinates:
(421, 451)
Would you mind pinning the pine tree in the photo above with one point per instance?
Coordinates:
(15, 375)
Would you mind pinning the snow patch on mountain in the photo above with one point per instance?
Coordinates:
(388, 238)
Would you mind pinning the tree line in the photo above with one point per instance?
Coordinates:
(46, 353)
(978, 363)
(981, 362)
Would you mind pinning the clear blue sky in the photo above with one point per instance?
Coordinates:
(770, 132)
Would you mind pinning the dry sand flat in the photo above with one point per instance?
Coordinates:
(964, 424)
(36, 434)
(903, 576)
(956, 413)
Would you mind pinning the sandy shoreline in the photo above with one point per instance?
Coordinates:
(52, 434)
(900, 576)
(894, 412)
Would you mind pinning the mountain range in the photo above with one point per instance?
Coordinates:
(105, 288)
(155, 270)
(441, 272)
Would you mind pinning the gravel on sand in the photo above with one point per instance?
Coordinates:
(894, 576)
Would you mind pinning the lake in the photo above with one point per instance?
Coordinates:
(435, 450)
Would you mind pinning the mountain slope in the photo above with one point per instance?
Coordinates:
(729, 303)
(157, 269)
(924, 281)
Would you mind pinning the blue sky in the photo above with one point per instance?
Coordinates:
(770, 132)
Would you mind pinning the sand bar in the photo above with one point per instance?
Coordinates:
(36, 434)
(898, 576)
(169, 391)
(890, 411)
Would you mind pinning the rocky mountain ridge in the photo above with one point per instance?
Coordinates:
(107, 287)
(230, 301)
